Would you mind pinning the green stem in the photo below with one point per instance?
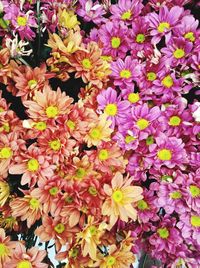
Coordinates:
(144, 261)
(23, 61)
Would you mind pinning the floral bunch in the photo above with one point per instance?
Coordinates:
(99, 147)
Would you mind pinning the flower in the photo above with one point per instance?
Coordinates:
(120, 198)
(4, 192)
(6, 248)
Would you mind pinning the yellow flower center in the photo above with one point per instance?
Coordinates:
(32, 84)
(142, 123)
(21, 21)
(24, 264)
(59, 228)
(179, 53)
(110, 261)
(3, 250)
(53, 191)
(174, 121)
(95, 133)
(163, 26)
(164, 155)
(115, 42)
(92, 190)
(69, 199)
(55, 145)
(5, 153)
(195, 191)
(142, 205)
(140, 38)
(40, 126)
(71, 125)
(167, 178)
(111, 109)
(167, 81)
(103, 154)
(129, 139)
(125, 73)
(149, 140)
(80, 173)
(34, 203)
(33, 165)
(195, 221)
(190, 36)
(117, 196)
(1, 109)
(92, 230)
(126, 15)
(52, 111)
(175, 195)
(86, 63)
(151, 76)
(134, 97)
(163, 233)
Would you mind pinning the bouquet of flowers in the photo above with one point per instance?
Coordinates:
(99, 133)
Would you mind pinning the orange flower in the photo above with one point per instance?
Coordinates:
(121, 196)
(6, 248)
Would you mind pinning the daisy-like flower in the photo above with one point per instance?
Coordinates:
(120, 199)
(6, 248)
(4, 192)
(48, 105)
(33, 164)
(124, 72)
(126, 11)
(112, 106)
(163, 23)
(30, 258)
(99, 131)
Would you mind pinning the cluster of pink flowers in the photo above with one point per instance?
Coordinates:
(113, 170)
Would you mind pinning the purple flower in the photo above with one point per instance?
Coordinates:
(126, 139)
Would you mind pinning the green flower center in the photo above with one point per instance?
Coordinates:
(126, 15)
(52, 111)
(140, 38)
(149, 140)
(53, 191)
(195, 221)
(40, 126)
(179, 53)
(117, 196)
(5, 153)
(190, 36)
(95, 133)
(59, 228)
(86, 63)
(142, 123)
(163, 233)
(34, 203)
(175, 195)
(125, 73)
(33, 165)
(163, 26)
(92, 230)
(129, 139)
(55, 145)
(164, 155)
(167, 81)
(111, 109)
(103, 154)
(71, 125)
(115, 42)
(142, 205)
(74, 252)
(92, 190)
(80, 173)
(174, 121)
(195, 191)
(32, 84)
(110, 261)
(133, 97)
(151, 76)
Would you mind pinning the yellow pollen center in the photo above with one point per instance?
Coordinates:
(55, 145)
(4, 251)
(21, 21)
(40, 126)
(1, 109)
(125, 73)
(59, 228)
(167, 81)
(163, 26)
(5, 153)
(129, 139)
(117, 196)
(195, 191)
(52, 111)
(195, 221)
(53, 191)
(174, 121)
(190, 36)
(32, 84)
(134, 97)
(95, 133)
(163, 233)
(142, 205)
(24, 264)
(179, 53)
(115, 42)
(164, 155)
(80, 173)
(92, 190)
(86, 63)
(111, 109)
(33, 165)
(103, 154)
(92, 230)
(71, 125)
(142, 123)
(140, 38)
(34, 203)
(175, 195)
(110, 261)
(126, 15)
(151, 76)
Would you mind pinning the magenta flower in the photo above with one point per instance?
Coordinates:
(163, 23)
(112, 106)
(124, 72)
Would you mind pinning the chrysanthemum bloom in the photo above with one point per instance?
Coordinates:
(126, 139)
(48, 105)
(125, 10)
(163, 23)
(57, 230)
(108, 158)
(29, 80)
(89, 65)
(137, 171)
(6, 248)
(28, 208)
(99, 131)
(21, 22)
(123, 72)
(7, 66)
(67, 19)
(177, 52)
(168, 151)
(89, 237)
(114, 40)
(33, 164)
(4, 192)
(30, 258)
(120, 198)
(112, 106)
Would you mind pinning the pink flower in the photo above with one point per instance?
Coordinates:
(6, 248)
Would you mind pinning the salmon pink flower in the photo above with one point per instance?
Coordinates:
(120, 199)
(6, 248)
